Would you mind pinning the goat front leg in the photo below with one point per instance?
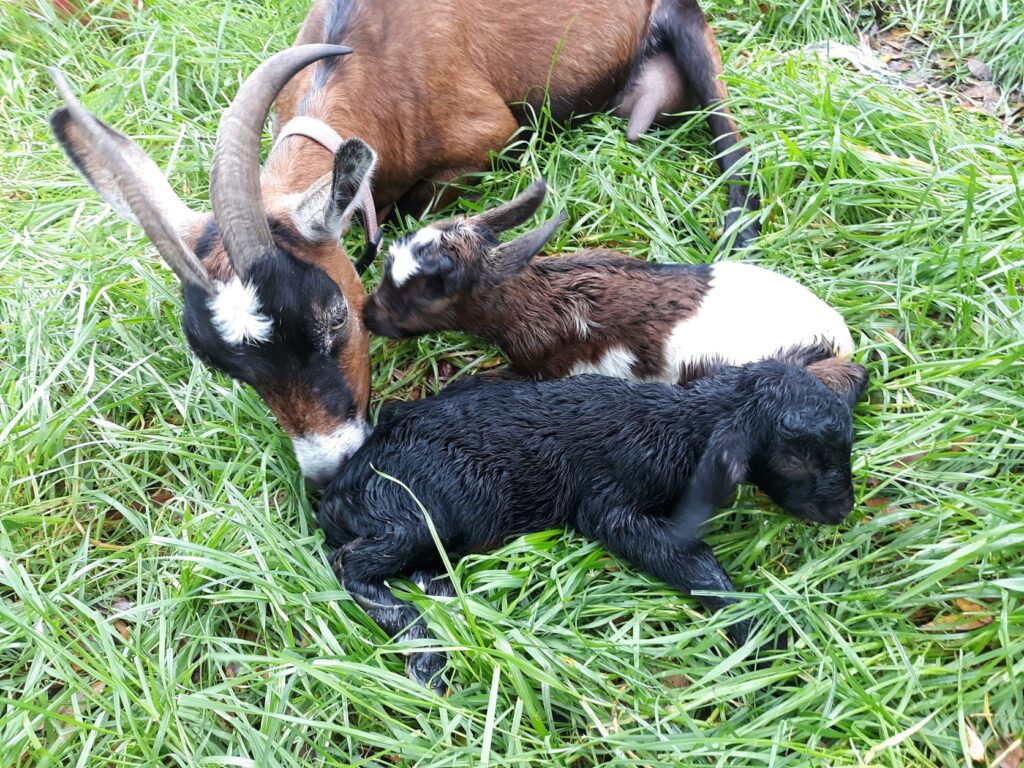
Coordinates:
(362, 566)
(649, 542)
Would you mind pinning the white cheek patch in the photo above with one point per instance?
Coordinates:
(321, 456)
(750, 313)
(403, 261)
(616, 361)
(236, 315)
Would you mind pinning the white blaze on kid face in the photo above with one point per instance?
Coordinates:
(750, 313)
(322, 456)
(403, 261)
(235, 312)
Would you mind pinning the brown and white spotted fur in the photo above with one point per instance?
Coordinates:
(597, 311)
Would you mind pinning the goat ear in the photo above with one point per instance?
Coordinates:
(75, 142)
(130, 182)
(846, 379)
(323, 210)
(508, 259)
(721, 467)
(515, 212)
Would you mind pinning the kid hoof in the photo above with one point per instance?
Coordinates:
(427, 670)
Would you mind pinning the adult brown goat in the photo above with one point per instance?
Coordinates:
(270, 296)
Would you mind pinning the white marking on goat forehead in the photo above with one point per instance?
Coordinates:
(235, 312)
(750, 313)
(321, 456)
(616, 361)
(403, 254)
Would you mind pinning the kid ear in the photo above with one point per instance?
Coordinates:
(508, 259)
(846, 379)
(514, 212)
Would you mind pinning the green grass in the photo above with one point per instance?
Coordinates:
(164, 598)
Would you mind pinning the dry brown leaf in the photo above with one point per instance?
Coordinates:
(676, 681)
(445, 371)
(956, 622)
(1011, 754)
(981, 93)
(968, 606)
(877, 502)
(123, 630)
(979, 69)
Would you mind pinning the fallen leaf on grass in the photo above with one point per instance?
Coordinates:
(975, 746)
(1011, 754)
(968, 606)
(956, 622)
(676, 681)
(981, 93)
(123, 630)
(979, 69)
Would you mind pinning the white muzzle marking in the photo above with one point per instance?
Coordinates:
(321, 456)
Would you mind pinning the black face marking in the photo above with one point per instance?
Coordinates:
(310, 325)
(805, 462)
(208, 240)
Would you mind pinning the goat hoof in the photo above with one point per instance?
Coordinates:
(427, 670)
(746, 237)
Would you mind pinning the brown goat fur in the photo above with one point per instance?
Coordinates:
(436, 88)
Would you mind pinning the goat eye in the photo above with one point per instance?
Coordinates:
(338, 325)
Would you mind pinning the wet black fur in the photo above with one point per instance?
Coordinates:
(491, 459)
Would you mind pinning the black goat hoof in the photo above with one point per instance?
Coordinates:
(746, 237)
(764, 655)
(427, 669)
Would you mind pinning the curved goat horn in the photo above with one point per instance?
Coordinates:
(235, 175)
(137, 196)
